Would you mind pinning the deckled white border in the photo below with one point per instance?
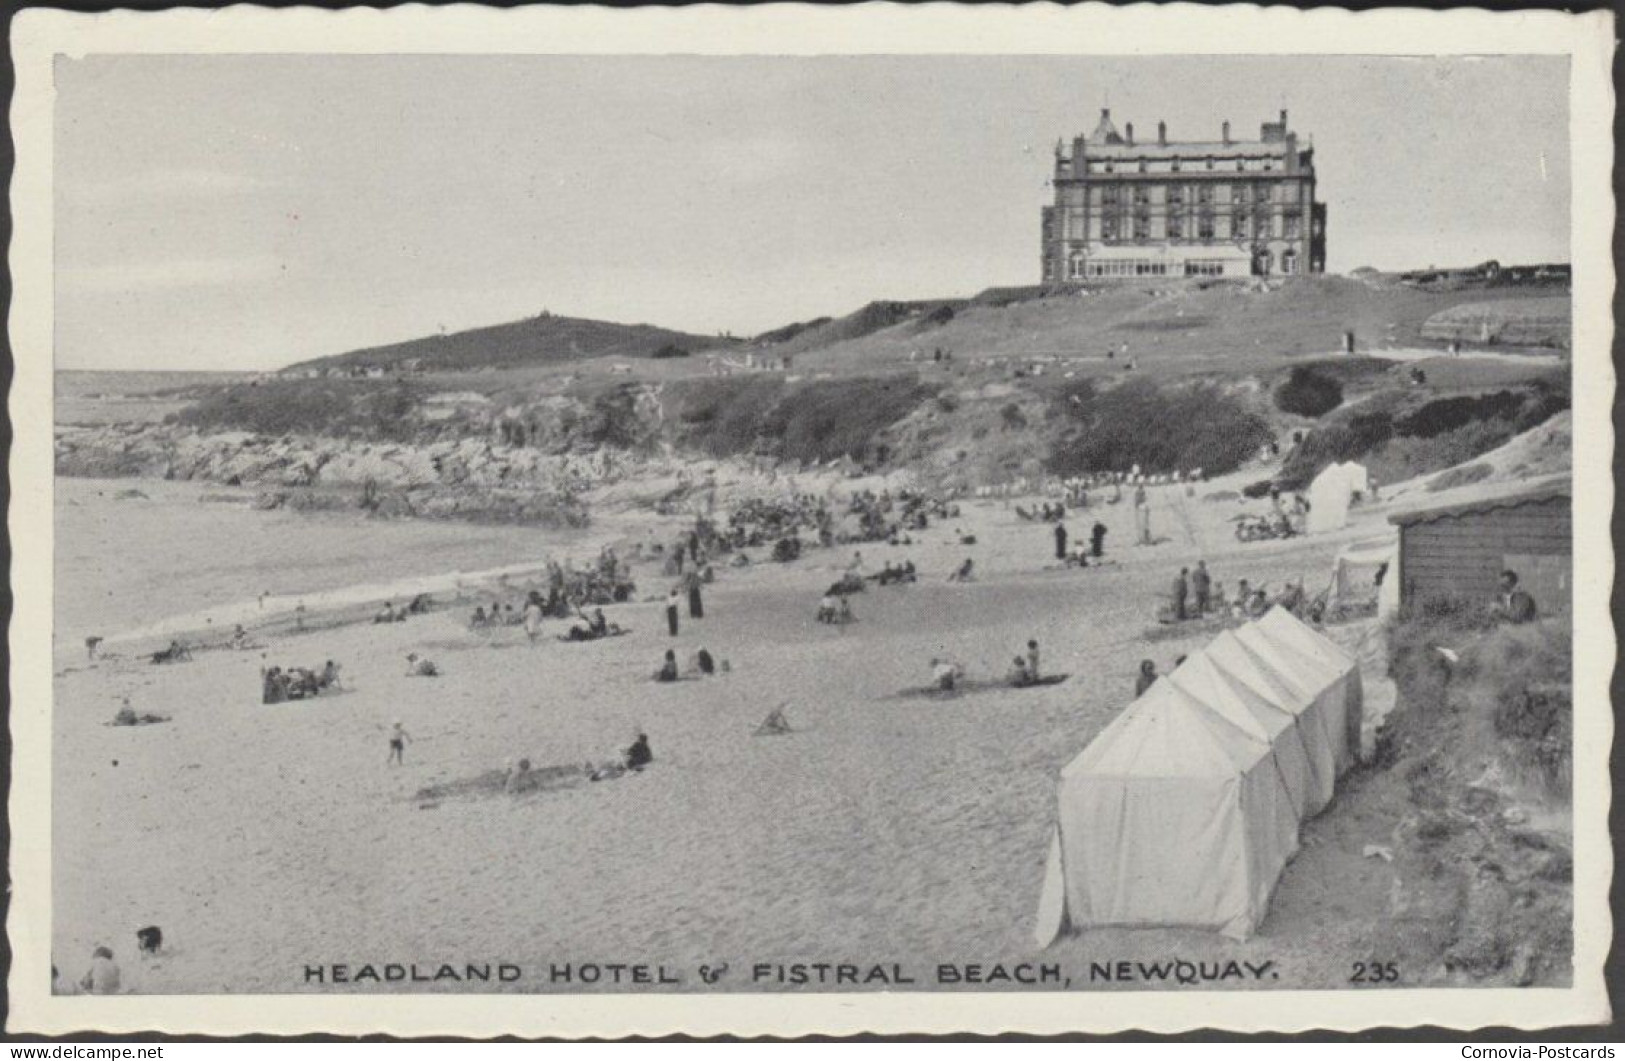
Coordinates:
(795, 29)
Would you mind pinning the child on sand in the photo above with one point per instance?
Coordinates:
(398, 740)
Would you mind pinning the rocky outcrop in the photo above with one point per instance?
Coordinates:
(466, 479)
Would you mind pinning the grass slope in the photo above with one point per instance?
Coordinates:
(537, 340)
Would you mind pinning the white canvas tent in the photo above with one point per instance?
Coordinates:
(1365, 574)
(1330, 495)
(1185, 809)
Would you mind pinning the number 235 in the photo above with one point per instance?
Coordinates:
(1375, 973)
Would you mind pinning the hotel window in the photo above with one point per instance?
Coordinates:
(1243, 193)
(1204, 225)
(1142, 194)
(1241, 164)
(1176, 194)
(1142, 226)
(1108, 227)
(1142, 165)
(1293, 224)
(1109, 193)
(1108, 167)
(1204, 194)
(1289, 262)
(1174, 165)
(1210, 162)
(1176, 226)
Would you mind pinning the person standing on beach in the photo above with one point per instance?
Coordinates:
(1032, 659)
(398, 740)
(533, 616)
(696, 607)
(1060, 541)
(1181, 591)
(1200, 585)
(1097, 540)
(1147, 677)
(671, 611)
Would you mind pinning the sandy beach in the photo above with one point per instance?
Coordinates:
(889, 827)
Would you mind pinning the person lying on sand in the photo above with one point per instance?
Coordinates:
(945, 674)
(386, 614)
(1018, 675)
(420, 668)
(668, 668)
(175, 653)
(966, 572)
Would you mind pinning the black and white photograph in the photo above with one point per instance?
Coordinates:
(815, 524)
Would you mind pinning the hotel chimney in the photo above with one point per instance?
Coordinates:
(1162, 134)
(1227, 134)
(1128, 132)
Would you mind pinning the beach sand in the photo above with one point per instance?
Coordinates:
(887, 828)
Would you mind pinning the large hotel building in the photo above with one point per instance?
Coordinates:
(1127, 208)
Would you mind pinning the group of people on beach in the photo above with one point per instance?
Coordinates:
(1194, 594)
(297, 683)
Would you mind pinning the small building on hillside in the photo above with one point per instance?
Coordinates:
(1460, 550)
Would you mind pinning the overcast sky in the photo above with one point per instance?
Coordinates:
(249, 211)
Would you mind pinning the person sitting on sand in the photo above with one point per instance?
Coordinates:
(126, 716)
(420, 668)
(329, 677)
(302, 684)
(966, 572)
(1257, 604)
(945, 674)
(516, 776)
(704, 663)
(102, 978)
(1147, 677)
(1238, 608)
(479, 621)
(386, 614)
(273, 691)
(239, 637)
(598, 624)
(638, 754)
(149, 939)
(668, 668)
(420, 604)
(829, 607)
(91, 645)
(398, 740)
(1018, 675)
